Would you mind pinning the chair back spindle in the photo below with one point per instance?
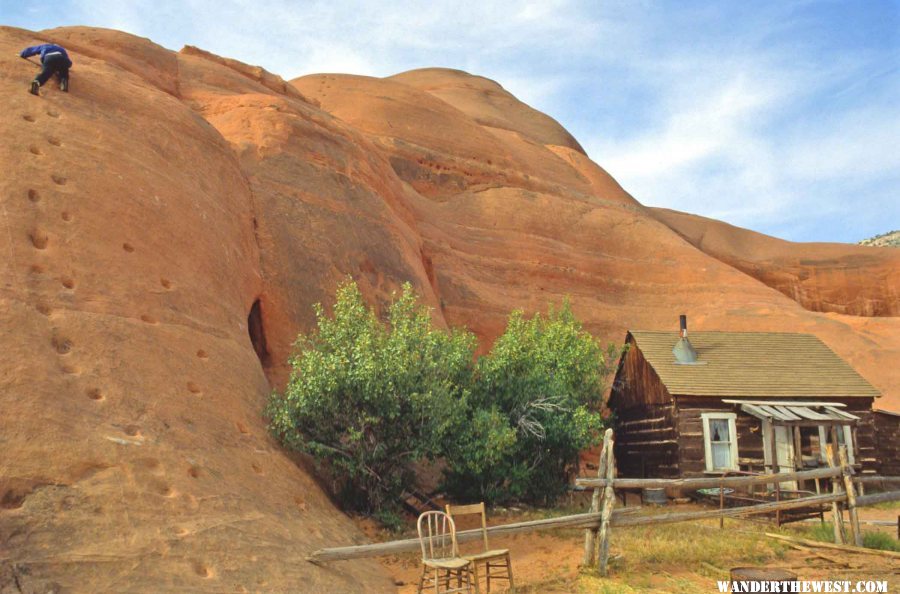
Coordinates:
(437, 536)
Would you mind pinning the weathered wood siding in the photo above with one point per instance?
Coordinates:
(646, 444)
(636, 384)
(887, 442)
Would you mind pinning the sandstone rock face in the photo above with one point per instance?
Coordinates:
(488, 104)
(169, 223)
(842, 278)
(516, 216)
(135, 457)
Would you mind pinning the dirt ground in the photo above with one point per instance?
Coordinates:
(677, 558)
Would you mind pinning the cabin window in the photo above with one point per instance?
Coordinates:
(845, 437)
(720, 441)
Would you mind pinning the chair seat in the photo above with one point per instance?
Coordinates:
(487, 555)
(449, 563)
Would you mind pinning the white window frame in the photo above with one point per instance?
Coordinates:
(825, 437)
(707, 444)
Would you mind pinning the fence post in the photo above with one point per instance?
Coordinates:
(609, 500)
(836, 516)
(778, 500)
(847, 474)
(590, 535)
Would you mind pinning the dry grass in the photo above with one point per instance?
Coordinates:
(691, 543)
(679, 558)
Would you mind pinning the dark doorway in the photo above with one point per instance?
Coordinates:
(258, 334)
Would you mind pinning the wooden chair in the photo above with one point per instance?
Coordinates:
(492, 559)
(441, 562)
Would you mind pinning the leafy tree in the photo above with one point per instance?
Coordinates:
(535, 405)
(366, 399)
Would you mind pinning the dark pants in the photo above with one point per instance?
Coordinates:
(54, 64)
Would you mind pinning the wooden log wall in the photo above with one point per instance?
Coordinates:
(866, 454)
(691, 449)
(887, 442)
(647, 444)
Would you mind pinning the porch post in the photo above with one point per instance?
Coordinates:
(773, 448)
(798, 455)
(775, 469)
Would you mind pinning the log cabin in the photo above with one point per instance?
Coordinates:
(725, 402)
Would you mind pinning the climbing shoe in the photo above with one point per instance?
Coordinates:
(64, 85)
(35, 87)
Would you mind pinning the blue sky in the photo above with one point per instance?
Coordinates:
(783, 117)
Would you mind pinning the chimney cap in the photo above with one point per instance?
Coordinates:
(684, 352)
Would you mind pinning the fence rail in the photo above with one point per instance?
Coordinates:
(883, 480)
(589, 520)
(705, 482)
(745, 510)
(876, 498)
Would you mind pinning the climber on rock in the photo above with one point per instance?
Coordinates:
(54, 60)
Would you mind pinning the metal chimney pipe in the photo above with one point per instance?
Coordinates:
(684, 351)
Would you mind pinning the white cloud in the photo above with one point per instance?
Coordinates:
(766, 137)
(708, 138)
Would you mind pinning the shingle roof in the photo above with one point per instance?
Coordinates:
(757, 364)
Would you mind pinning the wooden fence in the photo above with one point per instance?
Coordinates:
(603, 517)
(844, 488)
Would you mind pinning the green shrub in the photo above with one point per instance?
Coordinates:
(366, 399)
(535, 405)
(880, 540)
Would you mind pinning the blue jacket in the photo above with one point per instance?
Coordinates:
(43, 50)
